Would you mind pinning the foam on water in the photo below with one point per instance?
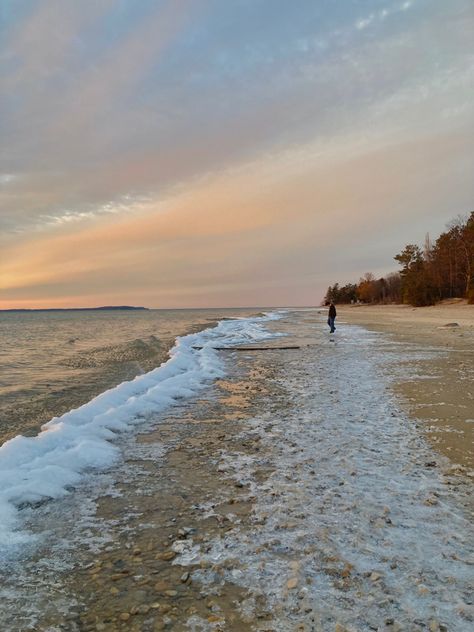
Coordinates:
(49, 465)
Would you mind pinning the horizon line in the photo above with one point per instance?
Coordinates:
(139, 308)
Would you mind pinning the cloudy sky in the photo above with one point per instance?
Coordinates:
(226, 152)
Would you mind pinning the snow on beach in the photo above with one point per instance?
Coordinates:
(48, 466)
(312, 502)
(357, 527)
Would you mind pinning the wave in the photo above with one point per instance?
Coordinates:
(47, 466)
(133, 351)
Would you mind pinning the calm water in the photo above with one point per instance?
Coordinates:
(51, 362)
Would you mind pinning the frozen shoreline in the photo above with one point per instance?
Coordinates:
(358, 526)
(294, 495)
(45, 467)
(445, 400)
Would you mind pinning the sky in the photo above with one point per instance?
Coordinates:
(210, 153)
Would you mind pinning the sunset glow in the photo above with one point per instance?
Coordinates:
(199, 153)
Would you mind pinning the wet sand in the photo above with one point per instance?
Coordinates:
(443, 394)
(121, 574)
(293, 496)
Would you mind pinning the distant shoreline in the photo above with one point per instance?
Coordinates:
(261, 308)
(78, 309)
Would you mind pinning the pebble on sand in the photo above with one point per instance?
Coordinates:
(167, 556)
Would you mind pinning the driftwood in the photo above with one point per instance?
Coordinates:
(249, 348)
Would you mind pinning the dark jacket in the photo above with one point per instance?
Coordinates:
(332, 311)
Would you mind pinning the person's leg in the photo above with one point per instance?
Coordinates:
(331, 324)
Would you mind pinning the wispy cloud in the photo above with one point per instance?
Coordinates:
(382, 14)
(6, 178)
(126, 205)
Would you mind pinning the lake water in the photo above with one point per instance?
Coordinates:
(51, 362)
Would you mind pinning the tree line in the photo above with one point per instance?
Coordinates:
(440, 270)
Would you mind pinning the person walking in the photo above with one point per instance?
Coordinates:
(332, 317)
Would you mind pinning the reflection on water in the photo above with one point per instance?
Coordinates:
(51, 362)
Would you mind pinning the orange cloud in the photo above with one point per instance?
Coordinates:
(276, 227)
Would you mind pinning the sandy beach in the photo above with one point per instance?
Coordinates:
(294, 494)
(442, 395)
